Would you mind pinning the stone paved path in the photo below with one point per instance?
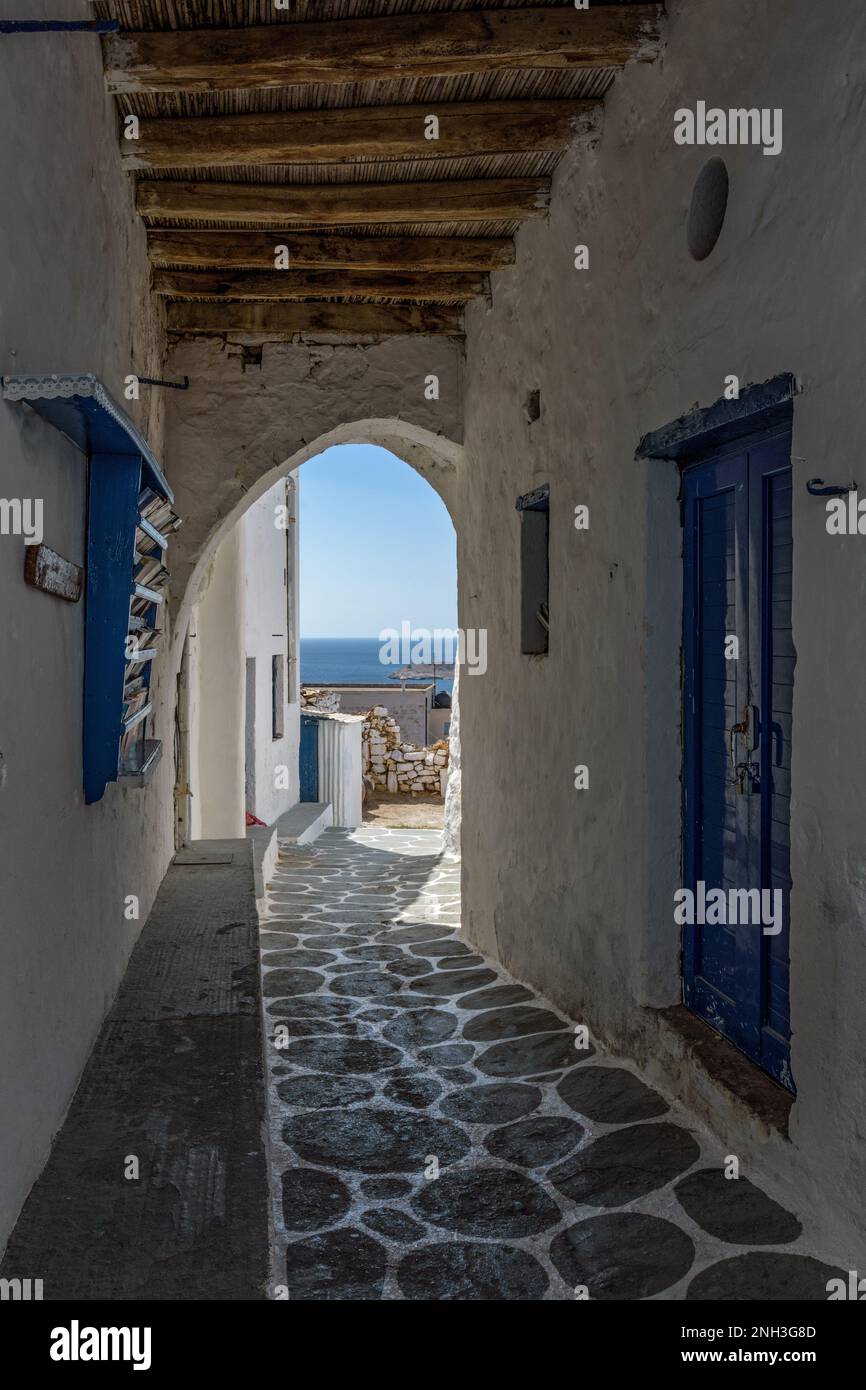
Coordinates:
(435, 1133)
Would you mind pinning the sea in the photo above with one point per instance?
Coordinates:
(350, 661)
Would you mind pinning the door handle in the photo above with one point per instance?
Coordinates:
(756, 728)
(741, 728)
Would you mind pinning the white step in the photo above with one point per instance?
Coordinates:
(304, 822)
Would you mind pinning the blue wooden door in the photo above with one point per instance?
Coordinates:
(739, 675)
(308, 758)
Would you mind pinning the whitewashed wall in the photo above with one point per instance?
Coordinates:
(271, 551)
(216, 681)
(573, 890)
(74, 297)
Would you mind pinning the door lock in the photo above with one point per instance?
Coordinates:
(752, 771)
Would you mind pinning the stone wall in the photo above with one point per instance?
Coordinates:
(396, 766)
(328, 701)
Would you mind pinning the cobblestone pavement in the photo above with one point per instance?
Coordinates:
(436, 1134)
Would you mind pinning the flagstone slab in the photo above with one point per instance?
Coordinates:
(396, 1224)
(336, 1056)
(297, 958)
(408, 968)
(344, 1264)
(495, 996)
(312, 1199)
(315, 1091)
(611, 1095)
(536, 1142)
(626, 1164)
(453, 981)
(284, 983)
(487, 1202)
(314, 1006)
(374, 1140)
(514, 1022)
(362, 985)
(734, 1210)
(419, 1027)
(461, 1271)
(492, 1104)
(419, 932)
(447, 1054)
(624, 1255)
(526, 1056)
(413, 1088)
(376, 952)
(436, 949)
(765, 1277)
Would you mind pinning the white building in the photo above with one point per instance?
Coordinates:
(241, 675)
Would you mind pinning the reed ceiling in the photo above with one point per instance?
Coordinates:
(376, 216)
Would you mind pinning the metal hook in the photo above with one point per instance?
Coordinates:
(816, 487)
(155, 381)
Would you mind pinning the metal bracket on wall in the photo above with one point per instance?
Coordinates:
(816, 487)
(156, 381)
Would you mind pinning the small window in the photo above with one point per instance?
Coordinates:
(534, 511)
(278, 695)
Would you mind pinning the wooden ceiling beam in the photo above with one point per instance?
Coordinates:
(251, 250)
(292, 284)
(335, 204)
(393, 47)
(284, 320)
(345, 135)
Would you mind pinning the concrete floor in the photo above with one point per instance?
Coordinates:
(437, 1131)
(175, 1082)
(402, 811)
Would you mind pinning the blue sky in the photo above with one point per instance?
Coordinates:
(377, 546)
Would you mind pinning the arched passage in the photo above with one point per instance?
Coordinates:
(214, 692)
(252, 415)
(437, 459)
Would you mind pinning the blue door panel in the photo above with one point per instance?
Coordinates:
(308, 758)
(737, 582)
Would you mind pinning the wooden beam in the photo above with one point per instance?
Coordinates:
(241, 250)
(319, 284)
(45, 569)
(284, 320)
(357, 133)
(397, 46)
(335, 204)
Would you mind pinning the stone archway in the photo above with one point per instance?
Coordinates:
(242, 426)
(245, 424)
